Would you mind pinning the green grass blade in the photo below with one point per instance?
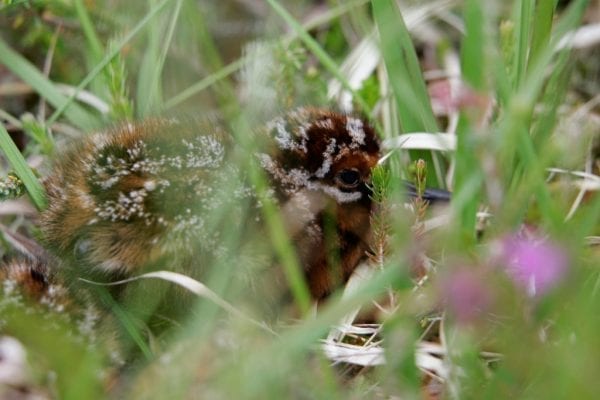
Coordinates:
(126, 322)
(414, 106)
(44, 87)
(204, 83)
(554, 95)
(521, 102)
(61, 353)
(542, 27)
(536, 79)
(285, 251)
(406, 80)
(473, 45)
(89, 31)
(236, 65)
(108, 58)
(239, 126)
(558, 82)
(467, 166)
(149, 82)
(534, 82)
(149, 88)
(318, 52)
(524, 17)
(18, 163)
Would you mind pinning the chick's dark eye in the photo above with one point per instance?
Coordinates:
(348, 177)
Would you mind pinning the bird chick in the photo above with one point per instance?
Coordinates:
(321, 171)
(143, 193)
(162, 192)
(127, 198)
(30, 287)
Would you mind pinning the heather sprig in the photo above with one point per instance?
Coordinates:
(11, 187)
(380, 219)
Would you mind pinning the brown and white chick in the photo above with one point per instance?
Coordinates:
(148, 194)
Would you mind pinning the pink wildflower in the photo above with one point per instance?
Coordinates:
(465, 294)
(534, 263)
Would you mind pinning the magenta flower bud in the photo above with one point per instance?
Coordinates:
(465, 294)
(535, 264)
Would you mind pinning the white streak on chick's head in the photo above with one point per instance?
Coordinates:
(323, 151)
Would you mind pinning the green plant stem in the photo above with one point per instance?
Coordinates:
(17, 161)
(108, 58)
(44, 87)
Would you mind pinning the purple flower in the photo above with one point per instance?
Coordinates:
(534, 263)
(465, 294)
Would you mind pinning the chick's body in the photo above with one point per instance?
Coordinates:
(161, 193)
(122, 200)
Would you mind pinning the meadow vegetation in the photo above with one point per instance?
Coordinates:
(493, 296)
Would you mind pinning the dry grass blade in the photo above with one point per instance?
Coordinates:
(589, 181)
(17, 207)
(24, 245)
(84, 96)
(193, 286)
(366, 57)
(422, 141)
(366, 356)
(357, 67)
(586, 36)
